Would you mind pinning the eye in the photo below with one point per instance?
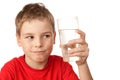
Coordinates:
(46, 35)
(30, 37)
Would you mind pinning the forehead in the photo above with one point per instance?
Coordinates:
(36, 26)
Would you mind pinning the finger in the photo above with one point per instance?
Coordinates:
(76, 52)
(82, 34)
(77, 41)
(78, 49)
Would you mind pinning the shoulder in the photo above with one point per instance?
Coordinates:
(11, 64)
(64, 67)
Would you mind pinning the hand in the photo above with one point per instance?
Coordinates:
(81, 50)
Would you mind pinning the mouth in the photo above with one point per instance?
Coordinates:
(38, 52)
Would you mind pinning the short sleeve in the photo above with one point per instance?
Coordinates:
(7, 71)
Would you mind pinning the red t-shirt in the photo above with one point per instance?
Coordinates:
(56, 69)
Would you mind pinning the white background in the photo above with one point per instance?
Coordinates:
(99, 19)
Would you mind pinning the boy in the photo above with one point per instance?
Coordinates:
(35, 33)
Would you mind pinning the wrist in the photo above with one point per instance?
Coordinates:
(84, 72)
(81, 63)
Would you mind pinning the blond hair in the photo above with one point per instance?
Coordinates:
(33, 11)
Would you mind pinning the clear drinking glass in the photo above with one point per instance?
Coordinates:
(67, 27)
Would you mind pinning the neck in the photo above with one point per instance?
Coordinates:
(36, 65)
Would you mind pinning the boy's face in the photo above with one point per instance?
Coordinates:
(36, 39)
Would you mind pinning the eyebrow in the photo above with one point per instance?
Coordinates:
(28, 34)
(41, 33)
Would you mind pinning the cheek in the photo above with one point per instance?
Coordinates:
(49, 44)
(26, 47)
(49, 49)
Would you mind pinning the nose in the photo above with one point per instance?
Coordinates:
(38, 42)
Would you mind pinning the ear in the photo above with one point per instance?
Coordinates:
(54, 37)
(18, 40)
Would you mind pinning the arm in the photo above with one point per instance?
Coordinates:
(84, 72)
(81, 51)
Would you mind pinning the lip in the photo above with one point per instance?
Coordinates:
(38, 52)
